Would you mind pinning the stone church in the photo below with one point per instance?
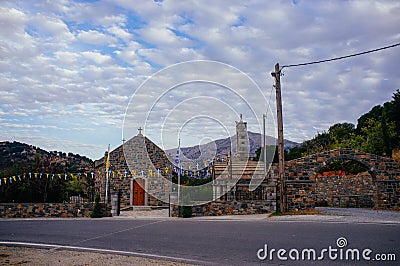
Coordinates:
(145, 183)
(147, 180)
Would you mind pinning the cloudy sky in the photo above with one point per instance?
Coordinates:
(70, 70)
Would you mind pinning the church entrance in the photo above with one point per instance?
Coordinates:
(138, 194)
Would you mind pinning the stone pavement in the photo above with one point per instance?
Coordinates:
(333, 215)
(345, 215)
(157, 213)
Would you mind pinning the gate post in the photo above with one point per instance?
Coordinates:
(115, 204)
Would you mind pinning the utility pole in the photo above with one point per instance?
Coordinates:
(264, 142)
(281, 149)
(179, 177)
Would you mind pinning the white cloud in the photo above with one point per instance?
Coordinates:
(50, 28)
(66, 58)
(162, 35)
(95, 37)
(70, 62)
(120, 33)
(97, 57)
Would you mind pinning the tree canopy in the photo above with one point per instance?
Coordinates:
(377, 132)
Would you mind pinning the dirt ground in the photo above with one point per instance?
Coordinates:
(31, 256)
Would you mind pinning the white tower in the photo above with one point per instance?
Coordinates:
(242, 140)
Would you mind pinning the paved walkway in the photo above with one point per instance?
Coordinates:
(335, 215)
(158, 213)
(345, 215)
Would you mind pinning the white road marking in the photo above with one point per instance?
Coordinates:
(120, 231)
(100, 250)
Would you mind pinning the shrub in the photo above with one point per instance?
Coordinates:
(96, 213)
(321, 203)
(186, 211)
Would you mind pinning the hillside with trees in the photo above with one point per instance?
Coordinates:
(377, 132)
(29, 165)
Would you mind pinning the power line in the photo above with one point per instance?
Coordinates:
(342, 57)
(270, 94)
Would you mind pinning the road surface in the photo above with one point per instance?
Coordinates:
(208, 241)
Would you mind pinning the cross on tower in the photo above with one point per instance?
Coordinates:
(140, 130)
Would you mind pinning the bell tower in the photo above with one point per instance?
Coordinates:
(242, 140)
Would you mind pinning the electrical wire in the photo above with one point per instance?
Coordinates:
(270, 94)
(341, 57)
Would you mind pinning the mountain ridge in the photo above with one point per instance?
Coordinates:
(221, 147)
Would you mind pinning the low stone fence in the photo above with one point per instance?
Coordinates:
(299, 194)
(222, 207)
(50, 210)
(388, 195)
(357, 191)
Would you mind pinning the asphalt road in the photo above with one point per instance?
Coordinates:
(229, 242)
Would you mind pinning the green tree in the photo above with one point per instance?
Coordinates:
(373, 134)
(356, 142)
(340, 134)
(375, 113)
(393, 114)
(295, 152)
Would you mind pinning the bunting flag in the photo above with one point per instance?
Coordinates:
(108, 159)
(195, 172)
(40, 175)
(177, 156)
(121, 174)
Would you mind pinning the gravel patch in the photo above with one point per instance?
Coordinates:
(346, 215)
(31, 256)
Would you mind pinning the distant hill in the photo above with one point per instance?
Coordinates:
(16, 158)
(221, 147)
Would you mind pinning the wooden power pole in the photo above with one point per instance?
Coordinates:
(281, 148)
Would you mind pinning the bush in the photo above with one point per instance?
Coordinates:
(321, 203)
(96, 213)
(186, 211)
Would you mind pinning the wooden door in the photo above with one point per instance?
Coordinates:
(138, 194)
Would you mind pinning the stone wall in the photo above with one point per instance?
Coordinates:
(379, 187)
(49, 210)
(353, 191)
(388, 195)
(345, 190)
(222, 207)
(300, 195)
(306, 168)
